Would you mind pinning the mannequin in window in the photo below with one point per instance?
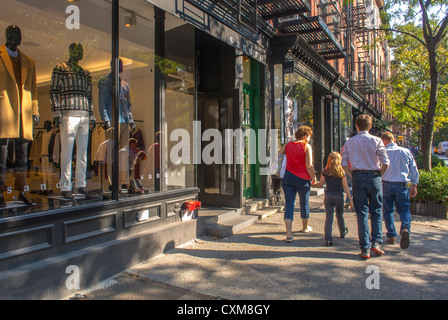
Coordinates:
(125, 107)
(19, 110)
(71, 104)
(289, 118)
(125, 118)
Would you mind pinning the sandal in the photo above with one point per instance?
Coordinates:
(289, 240)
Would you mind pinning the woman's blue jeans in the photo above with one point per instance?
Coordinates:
(396, 193)
(291, 186)
(368, 198)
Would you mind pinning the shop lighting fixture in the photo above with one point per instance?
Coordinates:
(130, 21)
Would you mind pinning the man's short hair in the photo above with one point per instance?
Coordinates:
(388, 136)
(364, 122)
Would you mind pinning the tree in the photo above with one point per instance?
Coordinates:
(409, 86)
(432, 16)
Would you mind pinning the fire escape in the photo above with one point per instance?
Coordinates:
(362, 57)
(361, 75)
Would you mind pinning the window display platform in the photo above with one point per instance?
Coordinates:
(102, 238)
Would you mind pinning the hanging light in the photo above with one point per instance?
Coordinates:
(130, 21)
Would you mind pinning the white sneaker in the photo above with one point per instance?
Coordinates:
(307, 229)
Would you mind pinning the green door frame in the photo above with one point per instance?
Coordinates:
(253, 89)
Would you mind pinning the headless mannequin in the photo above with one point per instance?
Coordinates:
(13, 40)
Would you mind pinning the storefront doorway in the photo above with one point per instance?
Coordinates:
(219, 181)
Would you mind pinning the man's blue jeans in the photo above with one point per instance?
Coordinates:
(291, 186)
(396, 193)
(367, 198)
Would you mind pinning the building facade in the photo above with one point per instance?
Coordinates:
(137, 102)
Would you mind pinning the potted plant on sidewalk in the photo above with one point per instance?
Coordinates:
(432, 195)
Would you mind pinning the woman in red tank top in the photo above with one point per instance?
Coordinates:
(298, 176)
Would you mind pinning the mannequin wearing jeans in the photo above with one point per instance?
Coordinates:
(71, 103)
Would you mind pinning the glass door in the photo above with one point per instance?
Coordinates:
(218, 179)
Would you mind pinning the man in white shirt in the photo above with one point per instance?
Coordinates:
(369, 161)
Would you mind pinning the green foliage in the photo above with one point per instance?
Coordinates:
(433, 186)
(435, 161)
(410, 86)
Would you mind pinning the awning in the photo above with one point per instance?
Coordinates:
(316, 33)
(271, 9)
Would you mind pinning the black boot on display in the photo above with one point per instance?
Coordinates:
(23, 197)
(89, 194)
(2, 201)
(67, 195)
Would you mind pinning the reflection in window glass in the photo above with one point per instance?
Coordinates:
(179, 105)
(299, 106)
(53, 164)
(293, 102)
(139, 151)
(346, 121)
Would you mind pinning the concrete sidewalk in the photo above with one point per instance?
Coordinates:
(256, 264)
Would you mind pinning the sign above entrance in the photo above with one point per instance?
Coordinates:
(247, 47)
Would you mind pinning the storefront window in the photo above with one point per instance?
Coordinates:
(293, 102)
(179, 112)
(52, 62)
(346, 121)
(139, 150)
(299, 93)
(278, 106)
(336, 141)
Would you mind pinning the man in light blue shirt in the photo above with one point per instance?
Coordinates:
(399, 186)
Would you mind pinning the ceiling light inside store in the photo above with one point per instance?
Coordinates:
(130, 21)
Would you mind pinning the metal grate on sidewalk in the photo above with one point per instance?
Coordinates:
(128, 286)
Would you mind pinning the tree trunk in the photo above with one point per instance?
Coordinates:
(429, 121)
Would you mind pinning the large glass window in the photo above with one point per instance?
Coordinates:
(346, 121)
(293, 102)
(139, 151)
(179, 67)
(53, 57)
